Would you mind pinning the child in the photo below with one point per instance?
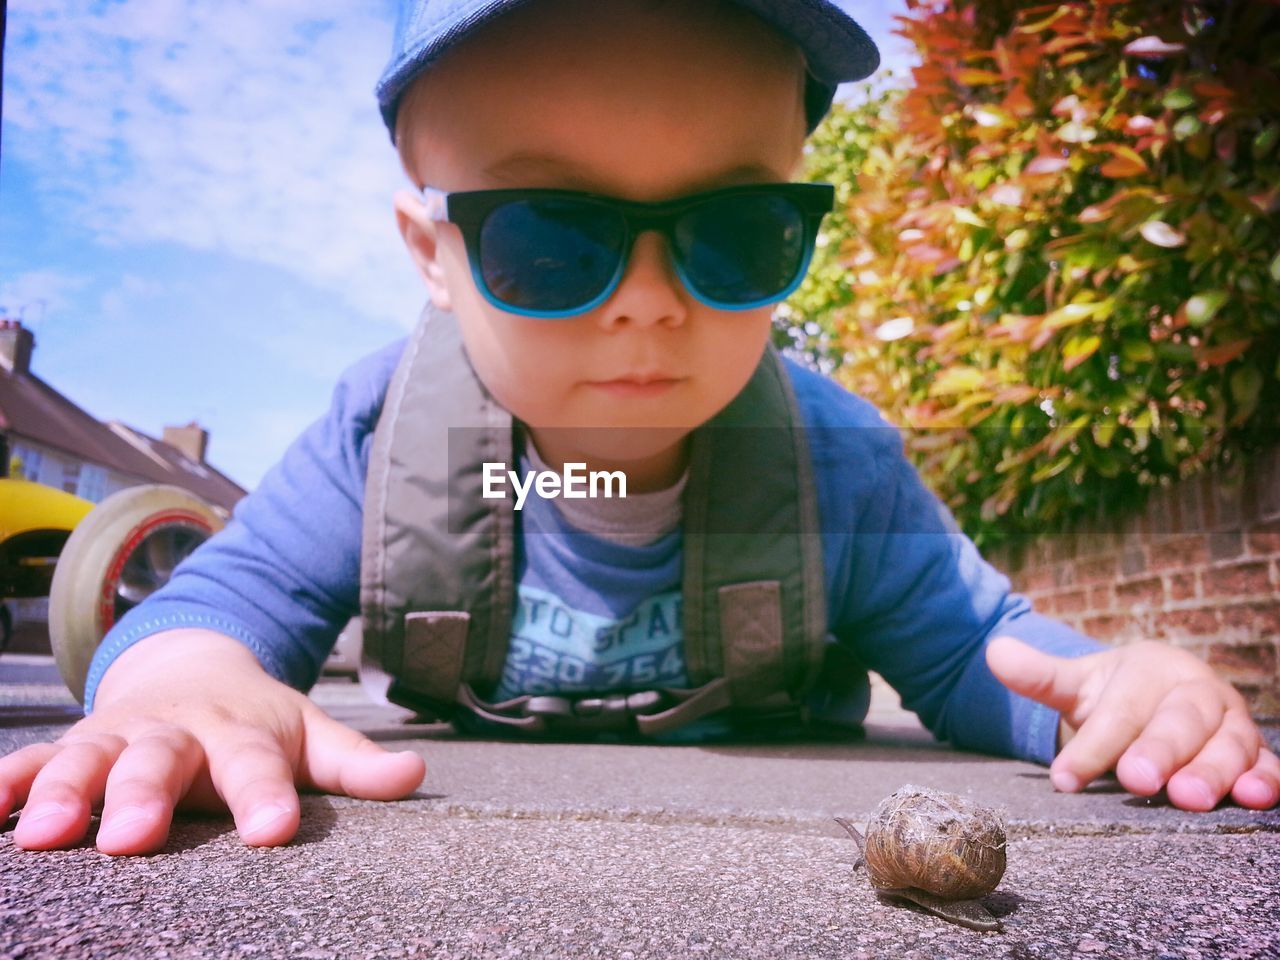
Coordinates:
(615, 360)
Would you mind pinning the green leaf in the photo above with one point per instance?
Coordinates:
(1074, 313)
(1204, 306)
(1053, 469)
(1103, 431)
(1107, 463)
(956, 380)
(1017, 240)
(1176, 352)
(1246, 386)
(1275, 268)
(1138, 351)
(1078, 349)
(1194, 432)
(1142, 430)
(1188, 126)
(1265, 140)
(1178, 99)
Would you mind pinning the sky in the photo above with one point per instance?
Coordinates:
(195, 207)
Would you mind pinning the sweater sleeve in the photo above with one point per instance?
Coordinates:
(921, 605)
(283, 576)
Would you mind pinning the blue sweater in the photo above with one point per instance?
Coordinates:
(908, 595)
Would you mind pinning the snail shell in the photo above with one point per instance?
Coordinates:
(936, 849)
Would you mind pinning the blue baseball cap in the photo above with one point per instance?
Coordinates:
(836, 48)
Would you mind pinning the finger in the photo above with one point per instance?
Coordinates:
(340, 760)
(1259, 788)
(145, 784)
(1053, 681)
(1179, 728)
(1228, 754)
(60, 802)
(17, 772)
(255, 780)
(1122, 713)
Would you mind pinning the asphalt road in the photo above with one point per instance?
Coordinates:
(574, 850)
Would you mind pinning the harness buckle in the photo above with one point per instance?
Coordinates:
(615, 713)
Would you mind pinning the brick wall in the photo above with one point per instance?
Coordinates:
(1199, 569)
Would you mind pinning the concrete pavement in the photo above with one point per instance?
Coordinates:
(564, 850)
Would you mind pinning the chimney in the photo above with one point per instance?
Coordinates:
(192, 440)
(16, 346)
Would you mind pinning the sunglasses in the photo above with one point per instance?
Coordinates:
(558, 253)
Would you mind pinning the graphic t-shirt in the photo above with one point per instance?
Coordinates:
(597, 594)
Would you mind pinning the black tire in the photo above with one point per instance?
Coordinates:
(123, 551)
(6, 627)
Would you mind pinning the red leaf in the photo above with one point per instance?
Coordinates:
(1046, 163)
(1124, 162)
(976, 78)
(1078, 57)
(1018, 393)
(1059, 44)
(1207, 89)
(1224, 145)
(1018, 103)
(1095, 213)
(926, 252)
(1268, 202)
(1223, 353)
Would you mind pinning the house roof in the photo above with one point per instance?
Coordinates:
(32, 409)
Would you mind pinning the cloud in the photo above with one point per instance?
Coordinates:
(34, 295)
(245, 128)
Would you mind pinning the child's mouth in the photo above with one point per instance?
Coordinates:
(635, 386)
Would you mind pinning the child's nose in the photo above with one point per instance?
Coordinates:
(650, 251)
(650, 290)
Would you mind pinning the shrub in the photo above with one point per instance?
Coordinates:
(1057, 260)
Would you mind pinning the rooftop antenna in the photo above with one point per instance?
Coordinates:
(43, 303)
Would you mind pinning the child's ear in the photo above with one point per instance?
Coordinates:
(422, 238)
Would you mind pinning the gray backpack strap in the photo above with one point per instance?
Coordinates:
(751, 636)
(423, 511)
(754, 596)
(435, 647)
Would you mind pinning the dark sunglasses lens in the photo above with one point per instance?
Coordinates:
(742, 249)
(550, 255)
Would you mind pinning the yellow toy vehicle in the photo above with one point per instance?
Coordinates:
(120, 552)
(35, 521)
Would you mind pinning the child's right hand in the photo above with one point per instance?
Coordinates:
(188, 717)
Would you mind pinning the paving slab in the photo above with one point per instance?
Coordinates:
(386, 880)
(624, 850)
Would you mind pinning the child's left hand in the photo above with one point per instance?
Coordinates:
(1157, 715)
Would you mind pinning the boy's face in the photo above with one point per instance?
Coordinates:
(636, 99)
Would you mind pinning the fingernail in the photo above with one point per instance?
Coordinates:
(1064, 782)
(45, 811)
(264, 817)
(124, 818)
(1203, 793)
(1145, 769)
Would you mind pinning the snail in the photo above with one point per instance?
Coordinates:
(935, 849)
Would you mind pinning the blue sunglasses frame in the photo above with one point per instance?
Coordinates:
(468, 210)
